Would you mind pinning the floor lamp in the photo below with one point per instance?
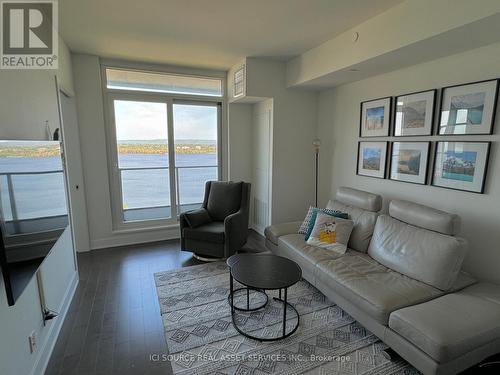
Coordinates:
(316, 144)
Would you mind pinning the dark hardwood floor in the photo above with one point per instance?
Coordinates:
(114, 323)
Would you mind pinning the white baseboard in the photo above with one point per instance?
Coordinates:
(46, 350)
(134, 238)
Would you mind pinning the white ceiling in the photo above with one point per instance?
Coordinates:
(207, 33)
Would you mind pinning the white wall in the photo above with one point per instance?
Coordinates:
(294, 128)
(295, 118)
(240, 142)
(27, 98)
(65, 71)
(338, 124)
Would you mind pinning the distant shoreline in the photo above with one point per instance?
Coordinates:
(183, 148)
(123, 148)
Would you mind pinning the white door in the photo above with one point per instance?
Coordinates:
(76, 190)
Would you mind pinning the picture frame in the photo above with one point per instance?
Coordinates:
(409, 162)
(375, 118)
(461, 165)
(414, 113)
(372, 159)
(468, 109)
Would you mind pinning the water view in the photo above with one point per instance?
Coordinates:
(143, 167)
(145, 176)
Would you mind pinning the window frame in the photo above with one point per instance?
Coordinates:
(170, 99)
(165, 73)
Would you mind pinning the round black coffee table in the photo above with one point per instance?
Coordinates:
(260, 273)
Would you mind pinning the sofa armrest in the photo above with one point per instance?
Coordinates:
(273, 232)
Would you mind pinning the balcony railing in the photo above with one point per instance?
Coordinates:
(189, 187)
(189, 195)
(11, 191)
(30, 203)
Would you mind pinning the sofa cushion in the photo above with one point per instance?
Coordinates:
(370, 286)
(294, 247)
(364, 223)
(421, 254)
(425, 217)
(452, 325)
(211, 232)
(463, 280)
(224, 199)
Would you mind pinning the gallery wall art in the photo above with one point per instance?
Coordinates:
(372, 159)
(409, 162)
(461, 165)
(375, 118)
(414, 114)
(467, 109)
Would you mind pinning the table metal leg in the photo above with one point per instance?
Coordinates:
(284, 312)
(235, 292)
(248, 299)
(280, 294)
(231, 291)
(286, 305)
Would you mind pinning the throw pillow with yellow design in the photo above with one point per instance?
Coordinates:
(331, 233)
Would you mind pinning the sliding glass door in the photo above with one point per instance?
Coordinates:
(164, 151)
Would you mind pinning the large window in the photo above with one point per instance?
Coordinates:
(164, 143)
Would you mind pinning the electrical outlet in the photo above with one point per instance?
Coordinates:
(32, 341)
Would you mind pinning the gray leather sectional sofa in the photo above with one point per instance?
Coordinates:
(401, 278)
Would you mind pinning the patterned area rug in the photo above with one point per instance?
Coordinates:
(201, 338)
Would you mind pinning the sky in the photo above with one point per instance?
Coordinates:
(148, 121)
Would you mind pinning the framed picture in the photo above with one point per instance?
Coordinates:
(414, 114)
(461, 165)
(375, 118)
(372, 157)
(468, 109)
(409, 162)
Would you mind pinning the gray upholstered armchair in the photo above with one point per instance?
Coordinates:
(220, 227)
